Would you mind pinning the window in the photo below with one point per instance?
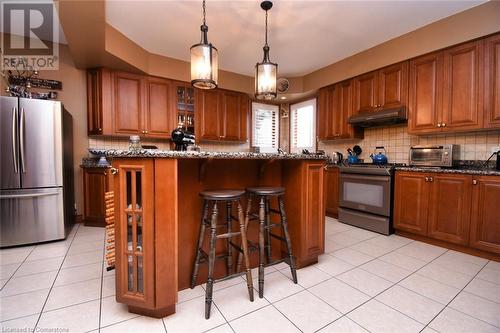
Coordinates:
(303, 126)
(265, 127)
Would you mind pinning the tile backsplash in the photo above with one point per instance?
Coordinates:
(397, 143)
(122, 143)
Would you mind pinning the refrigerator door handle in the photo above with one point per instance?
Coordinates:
(27, 195)
(14, 139)
(21, 137)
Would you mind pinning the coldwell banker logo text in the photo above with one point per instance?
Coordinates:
(30, 36)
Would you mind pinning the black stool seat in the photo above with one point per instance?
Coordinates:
(222, 194)
(266, 190)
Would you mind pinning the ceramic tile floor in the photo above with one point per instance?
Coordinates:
(364, 282)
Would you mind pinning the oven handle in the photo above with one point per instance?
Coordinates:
(361, 177)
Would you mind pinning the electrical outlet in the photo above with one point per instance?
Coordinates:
(495, 149)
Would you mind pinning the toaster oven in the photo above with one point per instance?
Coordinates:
(435, 155)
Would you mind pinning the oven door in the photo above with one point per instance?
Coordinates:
(367, 193)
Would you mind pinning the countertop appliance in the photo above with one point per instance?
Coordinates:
(36, 184)
(378, 157)
(182, 139)
(337, 157)
(379, 117)
(435, 155)
(366, 196)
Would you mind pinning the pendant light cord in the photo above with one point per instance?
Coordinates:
(204, 13)
(266, 29)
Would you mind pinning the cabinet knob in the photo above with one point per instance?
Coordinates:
(443, 124)
(114, 171)
(426, 179)
(431, 179)
(99, 130)
(145, 132)
(439, 125)
(474, 182)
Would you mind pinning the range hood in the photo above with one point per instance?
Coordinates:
(379, 118)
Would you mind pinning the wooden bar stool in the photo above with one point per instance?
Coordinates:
(211, 199)
(264, 194)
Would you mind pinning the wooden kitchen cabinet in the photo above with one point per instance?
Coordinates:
(425, 94)
(485, 215)
(99, 98)
(222, 115)
(128, 103)
(123, 104)
(411, 202)
(492, 82)
(365, 92)
(332, 191)
(446, 90)
(463, 87)
(382, 89)
(449, 207)
(96, 182)
(335, 106)
(436, 205)
(134, 232)
(159, 116)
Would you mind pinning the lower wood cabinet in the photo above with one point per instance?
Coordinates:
(455, 208)
(96, 181)
(449, 207)
(332, 191)
(411, 202)
(485, 216)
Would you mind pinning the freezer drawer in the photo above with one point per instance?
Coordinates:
(31, 216)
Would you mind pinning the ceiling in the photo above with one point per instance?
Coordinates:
(304, 35)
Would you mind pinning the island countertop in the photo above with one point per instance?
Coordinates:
(157, 153)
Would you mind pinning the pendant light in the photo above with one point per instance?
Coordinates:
(266, 71)
(204, 60)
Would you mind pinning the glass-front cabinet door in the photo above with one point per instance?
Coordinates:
(134, 231)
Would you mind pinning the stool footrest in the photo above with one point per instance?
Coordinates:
(275, 211)
(272, 225)
(228, 235)
(230, 276)
(278, 237)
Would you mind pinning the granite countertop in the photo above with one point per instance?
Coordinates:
(466, 167)
(156, 153)
(91, 162)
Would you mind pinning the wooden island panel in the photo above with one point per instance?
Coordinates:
(176, 206)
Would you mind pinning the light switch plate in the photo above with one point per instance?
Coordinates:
(495, 149)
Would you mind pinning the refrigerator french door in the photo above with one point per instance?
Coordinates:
(32, 186)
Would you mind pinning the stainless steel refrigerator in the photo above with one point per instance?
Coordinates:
(36, 160)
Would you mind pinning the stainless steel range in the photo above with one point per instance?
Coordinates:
(366, 196)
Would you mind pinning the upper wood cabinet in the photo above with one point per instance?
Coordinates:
(335, 106)
(425, 93)
(492, 82)
(128, 103)
(222, 115)
(485, 216)
(463, 87)
(99, 99)
(160, 95)
(365, 92)
(446, 90)
(382, 89)
(124, 104)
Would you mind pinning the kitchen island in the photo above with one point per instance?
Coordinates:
(157, 215)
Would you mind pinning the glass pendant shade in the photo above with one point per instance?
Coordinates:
(204, 60)
(266, 74)
(204, 66)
